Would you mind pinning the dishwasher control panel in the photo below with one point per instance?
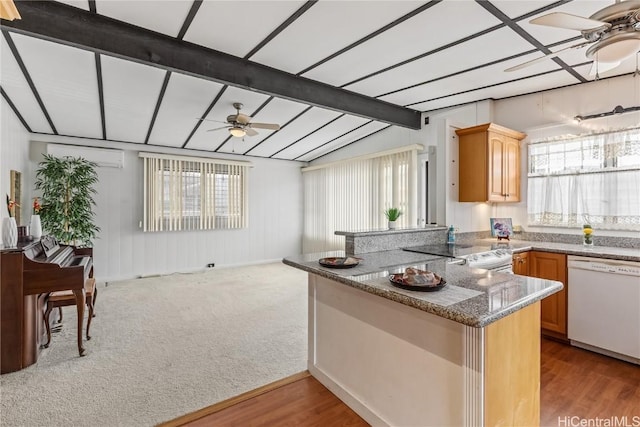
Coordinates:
(626, 268)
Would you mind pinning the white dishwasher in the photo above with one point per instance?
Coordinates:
(604, 306)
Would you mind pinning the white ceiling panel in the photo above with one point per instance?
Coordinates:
(342, 125)
(344, 140)
(556, 79)
(328, 27)
(460, 57)
(308, 122)
(203, 140)
(65, 78)
(547, 35)
(278, 111)
(419, 34)
(185, 100)
(161, 16)
(471, 80)
(236, 27)
(130, 95)
(82, 4)
(15, 85)
(516, 8)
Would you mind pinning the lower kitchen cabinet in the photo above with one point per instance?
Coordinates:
(553, 310)
(521, 264)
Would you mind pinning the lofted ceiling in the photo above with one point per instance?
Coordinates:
(329, 72)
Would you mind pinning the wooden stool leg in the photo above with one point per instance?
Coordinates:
(80, 302)
(60, 313)
(90, 304)
(95, 297)
(46, 314)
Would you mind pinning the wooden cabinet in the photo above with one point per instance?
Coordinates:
(521, 263)
(489, 164)
(553, 310)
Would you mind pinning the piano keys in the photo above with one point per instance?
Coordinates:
(28, 274)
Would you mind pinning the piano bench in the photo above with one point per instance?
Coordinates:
(64, 298)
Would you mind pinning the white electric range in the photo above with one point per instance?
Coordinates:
(485, 257)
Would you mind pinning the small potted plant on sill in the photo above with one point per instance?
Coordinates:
(392, 215)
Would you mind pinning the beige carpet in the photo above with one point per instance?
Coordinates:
(166, 346)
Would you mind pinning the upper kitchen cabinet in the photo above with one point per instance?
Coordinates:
(489, 164)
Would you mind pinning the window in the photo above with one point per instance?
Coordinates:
(184, 193)
(352, 195)
(587, 179)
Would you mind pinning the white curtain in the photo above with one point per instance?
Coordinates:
(353, 195)
(592, 179)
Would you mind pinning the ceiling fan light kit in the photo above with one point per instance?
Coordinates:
(237, 132)
(615, 48)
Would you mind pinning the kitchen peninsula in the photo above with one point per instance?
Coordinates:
(468, 354)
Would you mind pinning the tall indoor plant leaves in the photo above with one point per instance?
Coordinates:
(67, 186)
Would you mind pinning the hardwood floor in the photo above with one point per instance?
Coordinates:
(580, 383)
(299, 400)
(574, 383)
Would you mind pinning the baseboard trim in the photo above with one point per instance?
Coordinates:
(347, 398)
(217, 407)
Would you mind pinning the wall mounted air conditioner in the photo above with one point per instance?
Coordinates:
(101, 156)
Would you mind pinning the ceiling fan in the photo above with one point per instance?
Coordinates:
(240, 124)
(612, 34)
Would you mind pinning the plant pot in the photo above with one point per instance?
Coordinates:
(392, 225)
(35, 227)
(9, 232)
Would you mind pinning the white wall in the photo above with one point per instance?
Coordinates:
(14, 155)
(124, 251)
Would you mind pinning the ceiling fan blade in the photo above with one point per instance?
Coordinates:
(242, 118)
(569, 22)
(602, 67)
(250, 131)
(542, 58)
(271, 126)
(209, 120)
(223, 127)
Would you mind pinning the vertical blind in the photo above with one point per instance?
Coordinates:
(590, 179)
(184, 193)
(352, 195)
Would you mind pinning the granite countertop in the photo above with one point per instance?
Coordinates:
(386, 231)
(608, 252)
(473, 297)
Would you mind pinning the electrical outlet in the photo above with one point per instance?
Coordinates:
(211, 265)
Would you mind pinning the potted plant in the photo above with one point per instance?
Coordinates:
(392, 215)
(66, 210)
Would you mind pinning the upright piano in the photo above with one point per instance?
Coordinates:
(28, 273)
